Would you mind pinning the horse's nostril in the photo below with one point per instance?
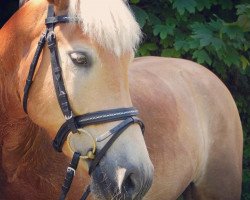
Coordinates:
(130, 185)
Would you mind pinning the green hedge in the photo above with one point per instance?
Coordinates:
(214, 33)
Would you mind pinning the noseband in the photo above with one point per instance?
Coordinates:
(73, 123)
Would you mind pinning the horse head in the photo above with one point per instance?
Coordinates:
(93, 53)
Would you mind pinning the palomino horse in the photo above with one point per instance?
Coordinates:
(193, 131)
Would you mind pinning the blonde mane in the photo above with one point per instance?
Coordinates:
(109, 22)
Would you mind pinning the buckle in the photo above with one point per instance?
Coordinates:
(70, 169)
(69, 117)
(71, 123)
(42, 39)
(51, 39)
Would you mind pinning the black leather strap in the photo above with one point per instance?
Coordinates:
(59, 84)
(71, 170)
(60, 19)
(31, 73)
(57, 76)
(86, 193)
(116, 132)
(90, 119)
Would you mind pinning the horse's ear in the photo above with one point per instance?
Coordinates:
(22, 2)
(60, 4)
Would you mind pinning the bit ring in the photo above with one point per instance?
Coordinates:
(91, 152)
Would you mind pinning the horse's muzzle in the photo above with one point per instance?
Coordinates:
(125, 182)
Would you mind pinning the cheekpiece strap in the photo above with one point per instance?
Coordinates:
(61, 93)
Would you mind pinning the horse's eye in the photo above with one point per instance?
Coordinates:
(79, 58)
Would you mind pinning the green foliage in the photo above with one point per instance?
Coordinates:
(214, 33)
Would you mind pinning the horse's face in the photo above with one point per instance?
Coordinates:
(95, 78)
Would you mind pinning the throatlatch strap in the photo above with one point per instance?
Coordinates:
(32, 70)
(71, 170)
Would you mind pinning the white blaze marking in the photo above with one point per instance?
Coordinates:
(120, 173)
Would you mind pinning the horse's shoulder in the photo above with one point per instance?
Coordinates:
(177, 78)
(172, 69)
(167, 64)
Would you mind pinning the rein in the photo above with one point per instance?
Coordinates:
(73, 123)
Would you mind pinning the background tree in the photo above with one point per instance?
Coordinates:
(7, 8)
(214, 33)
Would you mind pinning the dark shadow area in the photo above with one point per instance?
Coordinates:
(7, 9)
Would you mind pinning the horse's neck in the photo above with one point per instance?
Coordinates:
(25, 149)
(15, 48)
(19, 138)
(27, 159)
(16, 45)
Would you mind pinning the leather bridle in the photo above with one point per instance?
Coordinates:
(73, 123)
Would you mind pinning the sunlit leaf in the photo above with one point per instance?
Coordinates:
(202, 57)
(184, 5)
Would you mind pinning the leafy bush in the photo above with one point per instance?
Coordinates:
(214, 33)
(7, 8)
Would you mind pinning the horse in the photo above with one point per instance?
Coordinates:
(193, 132)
